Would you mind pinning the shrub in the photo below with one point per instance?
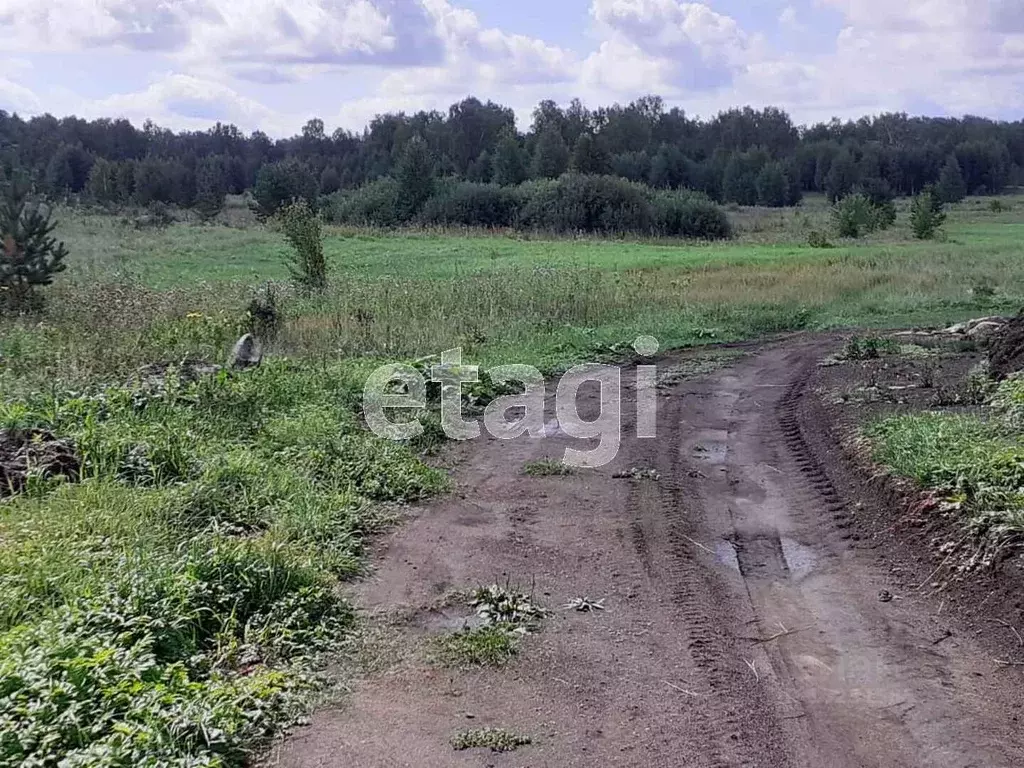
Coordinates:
(280, 183)
(572, 203)
(682, 214)
(377, 204)
(772, 186)
(308, 267)
(926, 215)
(265, 315)
(471, 205)
(855, 215)
(818, 239)
(880, 194)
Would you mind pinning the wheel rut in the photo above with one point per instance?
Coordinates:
(861, 678)
(742, 625)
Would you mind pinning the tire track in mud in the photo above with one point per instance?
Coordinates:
(738, 725)
(867, 684)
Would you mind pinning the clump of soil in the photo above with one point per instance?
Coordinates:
(153, 377)
(33, 450)
(1006, 355)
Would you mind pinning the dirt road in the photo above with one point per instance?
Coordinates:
(745, 624)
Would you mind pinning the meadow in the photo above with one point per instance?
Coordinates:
(171, 606)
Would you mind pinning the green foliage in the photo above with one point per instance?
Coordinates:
(926, 215)
(471, 205)
(818, 239)
(772, 186)
(307, 265)
(506, 606)
(266, 317)
(571, 203)
(102, 185)
(975, 464)
(1008, 403)
(377, 204)
(668, 169)
(510, 162)
(854, 216)
(163, 181)
(589, 157)
(878, 191)
(739, 182)
(842, 177)
(211, 187)
(278, 184)
(487, 646)
(173, 615)
(550, 155)
(951, 188)
(330, 181)
(546, 468)
(415, 176)
(30, 256)
(870, 348)
(494, 739)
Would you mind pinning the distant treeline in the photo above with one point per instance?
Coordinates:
(744, 155)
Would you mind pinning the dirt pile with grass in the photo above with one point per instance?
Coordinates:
(33, 452)
(1007, 352)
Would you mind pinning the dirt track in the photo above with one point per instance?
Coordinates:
(744, 625)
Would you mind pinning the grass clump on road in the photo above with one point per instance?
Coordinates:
(488, 646)
(494, 739)
(546, 468)
(507, 615)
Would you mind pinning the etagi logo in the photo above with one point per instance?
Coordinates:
(402, 388)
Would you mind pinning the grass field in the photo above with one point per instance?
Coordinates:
(185, 253)
(167, 609)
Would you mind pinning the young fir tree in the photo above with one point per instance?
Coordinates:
(29, 255)
(415, 176)
(952, 188)
(211, 187)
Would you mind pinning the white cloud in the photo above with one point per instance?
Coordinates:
(962, 55)
(184, 101)
(666, 45)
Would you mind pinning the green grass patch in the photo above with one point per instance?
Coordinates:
(494, 739)
(975, 463)
(488, 646)
(546, 468)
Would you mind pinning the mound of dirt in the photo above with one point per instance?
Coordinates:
(1006, 355)
(33, 450)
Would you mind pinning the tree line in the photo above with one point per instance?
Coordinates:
(743, 155)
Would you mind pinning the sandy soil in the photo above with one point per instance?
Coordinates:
(759, 611)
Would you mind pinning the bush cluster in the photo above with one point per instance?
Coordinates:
(572, 203)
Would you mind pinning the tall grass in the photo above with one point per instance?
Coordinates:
(167, 608)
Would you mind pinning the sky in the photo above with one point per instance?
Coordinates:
(274, 64)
